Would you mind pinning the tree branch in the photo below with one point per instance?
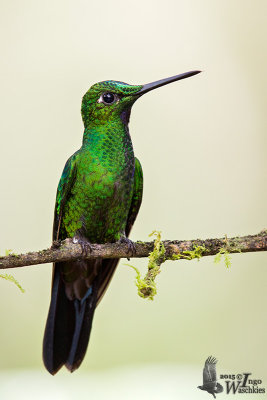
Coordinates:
(176, 249)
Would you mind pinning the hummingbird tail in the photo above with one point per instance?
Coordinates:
(84, 313)
(68, 326)
(69, 322)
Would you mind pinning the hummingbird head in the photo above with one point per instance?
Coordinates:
(107, 100)
(110, 100)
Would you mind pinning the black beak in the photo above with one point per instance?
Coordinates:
(153, 85)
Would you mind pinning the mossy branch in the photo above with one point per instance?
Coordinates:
(174, 250)
(147, 286)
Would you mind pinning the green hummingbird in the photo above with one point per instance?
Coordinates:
(98, 198)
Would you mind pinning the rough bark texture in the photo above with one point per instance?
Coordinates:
(176, 249)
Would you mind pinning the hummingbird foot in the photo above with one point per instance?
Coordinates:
(84, 243)
(56, 244)
(131, 246)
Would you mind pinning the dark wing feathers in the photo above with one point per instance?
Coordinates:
(69, 322)
(58, 330)
(63, 190)
(137, 196)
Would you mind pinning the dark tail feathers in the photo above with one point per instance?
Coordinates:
(68, 327)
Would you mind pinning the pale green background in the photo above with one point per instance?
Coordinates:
(202, 143)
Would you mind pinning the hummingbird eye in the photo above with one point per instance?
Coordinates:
(108, 98)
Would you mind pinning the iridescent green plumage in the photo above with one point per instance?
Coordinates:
(98, 198)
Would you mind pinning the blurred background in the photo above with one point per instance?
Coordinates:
(202, 143)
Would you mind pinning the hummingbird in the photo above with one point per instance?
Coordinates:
(98, 198)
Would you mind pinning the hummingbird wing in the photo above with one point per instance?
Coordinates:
(109, 265)
(57, 340)
(63, 190)
(137, 196)
(209, 373)
(69, 320)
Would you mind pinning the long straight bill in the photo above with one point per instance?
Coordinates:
(153, 85)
